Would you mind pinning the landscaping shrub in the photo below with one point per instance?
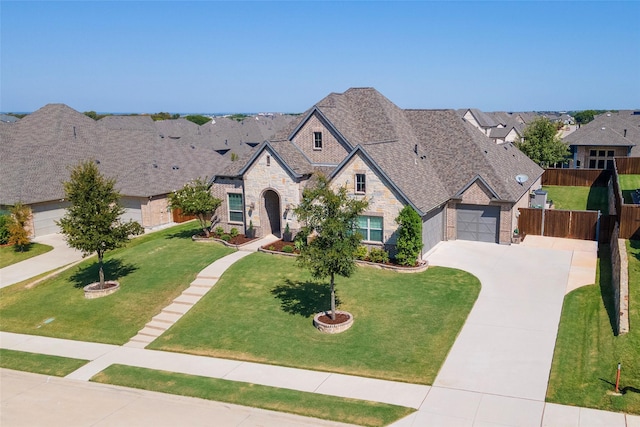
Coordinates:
(219, 231)
(233, 232)
(287, 249)
(378, 255)
(362, 253)
(409, 243)
(225, 237)
(4, 229)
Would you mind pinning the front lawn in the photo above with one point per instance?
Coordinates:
(628, 184)
(262, 310)
(39, 363)
(578, 198)
(152, 270)
(315, 405)
(587, 353)
(9, 255)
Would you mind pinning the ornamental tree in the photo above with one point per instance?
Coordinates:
(195, 199)
(92, 223)
(330, 218)
(409, 242)
(541, 143)
(18, 235)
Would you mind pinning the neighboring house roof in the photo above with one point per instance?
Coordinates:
(484, 120)
(7, 118)
(608, 130)
(503, 132)
(42, 147)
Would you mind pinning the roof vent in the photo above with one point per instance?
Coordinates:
(625, 133)
(415, 148)
(602, 128)
(97, 162)
(175, 168)
(155, 165)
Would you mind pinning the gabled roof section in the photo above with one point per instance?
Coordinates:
(360, 151)
(483, 119)
(325, 121)
(475, 179)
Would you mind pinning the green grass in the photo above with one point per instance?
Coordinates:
(152, 270)
(262, 310)
(353, 411)
(578, 198)
(9, 255)
(587, 352)
(628, 184)
(39, 363)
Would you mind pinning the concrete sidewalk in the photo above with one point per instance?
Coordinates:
(60, 256)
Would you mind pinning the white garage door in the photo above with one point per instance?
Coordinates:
(133, 210)
(478, 223)
(45, 216)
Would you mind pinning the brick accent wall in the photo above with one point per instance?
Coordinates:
(383, 200)
(155, 211)
(332, 151)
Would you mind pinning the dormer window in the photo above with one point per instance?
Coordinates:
(317, 140)
(361, 183)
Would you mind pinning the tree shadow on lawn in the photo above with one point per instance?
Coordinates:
(606, 286)
(303, 298)
(635, 244)
(183, 234)
(114, 269)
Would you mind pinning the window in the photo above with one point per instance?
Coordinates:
(268, 160)
(317, 140)
(601, 153)
(592, 164)
(600, 164)
(371, 228)
(593, 153)
(610, 153)
(236, 213)
(361, 183)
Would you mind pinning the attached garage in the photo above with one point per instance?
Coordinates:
(478, 223)
(45, 216)
(432, 229)
(133, 209)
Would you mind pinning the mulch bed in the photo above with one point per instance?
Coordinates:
(340, 318)
(277, 246)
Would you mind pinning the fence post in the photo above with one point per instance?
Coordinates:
(542, 224)
(598, 229)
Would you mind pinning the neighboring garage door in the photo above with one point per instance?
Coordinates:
(133, 210)
(45, 217)
(432, 229)
(478, 223)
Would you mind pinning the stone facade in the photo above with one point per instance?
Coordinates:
(383, 201)
(332, 152)
(220, 190)
(155, 211)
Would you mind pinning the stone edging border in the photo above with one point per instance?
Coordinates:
(419, 269)
(213, 239)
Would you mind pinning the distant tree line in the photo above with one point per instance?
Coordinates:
(195, 118)
(585, 116)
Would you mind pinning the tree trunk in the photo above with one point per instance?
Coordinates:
(333, 299)
(101, 270)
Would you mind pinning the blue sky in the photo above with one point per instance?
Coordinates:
(206, 56)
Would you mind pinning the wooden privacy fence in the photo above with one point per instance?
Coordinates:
(581, 225)
(576, 177)
(628, 165)
(178, 217)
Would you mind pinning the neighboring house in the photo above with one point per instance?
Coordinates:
(460, 182)
(608, 135)
(148, 159)
(8, 118)
(509, 132)
(480, 120)
(501, 127)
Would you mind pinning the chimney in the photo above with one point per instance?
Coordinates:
(625, 133)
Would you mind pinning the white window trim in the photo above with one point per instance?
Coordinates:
(321, 140)
(355, 181)
(366, 238)
(229, 209)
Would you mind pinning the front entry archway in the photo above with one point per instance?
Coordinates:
(271, 209)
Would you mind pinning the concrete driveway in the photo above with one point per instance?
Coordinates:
(60, 256)
(498, 368)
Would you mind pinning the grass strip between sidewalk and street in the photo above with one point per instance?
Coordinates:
(9, 255)
(152, 270)
(307, 404)
(39, 363)
(262, 310)
(587, 352)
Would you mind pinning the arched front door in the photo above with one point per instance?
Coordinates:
(271, 204)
